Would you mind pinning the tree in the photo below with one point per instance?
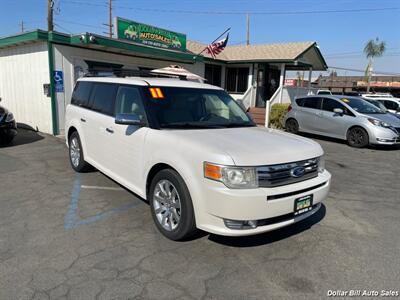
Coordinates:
(373, 48)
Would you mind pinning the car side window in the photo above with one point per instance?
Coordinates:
(330, 104)
(300, 101)
(391, 105)
(313, 102)
(81, 94)
(103, 98)
(129, 101)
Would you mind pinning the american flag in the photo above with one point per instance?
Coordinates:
(216, 48)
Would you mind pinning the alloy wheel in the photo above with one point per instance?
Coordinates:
(167, 205)
(75, 152)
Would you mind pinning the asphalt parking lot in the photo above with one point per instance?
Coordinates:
(69, 236)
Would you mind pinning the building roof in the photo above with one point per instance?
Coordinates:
(303, 52)
(296, 56)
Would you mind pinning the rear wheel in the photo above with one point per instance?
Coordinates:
(358, 137)
(171, 205)
(7, 139)
(292, 126)
(76, 156)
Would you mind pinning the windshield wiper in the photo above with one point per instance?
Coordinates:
(190, 125)
(239, 124)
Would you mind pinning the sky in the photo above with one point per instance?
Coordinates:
(341, 34)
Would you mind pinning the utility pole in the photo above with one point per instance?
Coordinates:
(248, 29)
(22, 26)
(50, 25)
(110, 24)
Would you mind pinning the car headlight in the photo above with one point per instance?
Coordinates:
(378, 123)
(10, 117)
(321, 164)
(232, 177)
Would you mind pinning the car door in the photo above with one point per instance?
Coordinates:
(334, 124)
(309, 113)
(100, 121)
(127, 159)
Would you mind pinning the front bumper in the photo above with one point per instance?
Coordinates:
(273, 207)
(384, 136)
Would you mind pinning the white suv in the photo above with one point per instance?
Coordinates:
(195, 155)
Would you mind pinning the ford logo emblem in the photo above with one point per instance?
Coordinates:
(297, 172)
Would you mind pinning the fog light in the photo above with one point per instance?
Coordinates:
(386, 140)
(234, 224)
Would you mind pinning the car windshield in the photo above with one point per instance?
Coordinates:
(362, 106)
(192, 108)
(378, 104)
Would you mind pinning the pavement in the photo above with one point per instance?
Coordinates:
(70, 236)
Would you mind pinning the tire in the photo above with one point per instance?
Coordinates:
(292, 126)
(171, 205)
(6, 139)
(76, 155)
(357, 137)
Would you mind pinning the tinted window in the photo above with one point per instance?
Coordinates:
(81, 93)
(300, 101)
(213, 74)
(129, 101)
(103, 98)
(237, 79)
(313, 102)
(391, 105)
(361, 106)
(330, 104)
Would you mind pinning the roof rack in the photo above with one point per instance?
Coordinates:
(110, 72)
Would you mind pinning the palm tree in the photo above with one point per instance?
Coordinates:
(372, 49)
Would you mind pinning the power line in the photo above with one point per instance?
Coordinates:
(238, 12)
(363, 71)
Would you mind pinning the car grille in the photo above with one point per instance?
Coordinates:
(282, 174)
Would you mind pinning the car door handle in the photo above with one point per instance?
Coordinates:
(110, 130)
(83, 120)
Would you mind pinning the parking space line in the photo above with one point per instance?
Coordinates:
(96, 187)
(71, 221)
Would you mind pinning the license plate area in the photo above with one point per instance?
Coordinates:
(303, 204)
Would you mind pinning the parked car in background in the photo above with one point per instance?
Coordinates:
(8, 126)
(382, 107)
(324, 92)
(391, 103)
(195, 155)
(348, 118)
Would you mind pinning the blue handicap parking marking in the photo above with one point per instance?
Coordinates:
(71, 219)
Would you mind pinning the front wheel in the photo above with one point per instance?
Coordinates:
(171, 205)
(358, 137)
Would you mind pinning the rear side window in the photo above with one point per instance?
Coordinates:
(391, 105)
(129, 101)
(81, 94)
(103, 98)
(300, 101)
(312, 102)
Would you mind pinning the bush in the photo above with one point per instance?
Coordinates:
(278, 113)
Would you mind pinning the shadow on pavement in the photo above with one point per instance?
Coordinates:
(343, 142)
(272, 236)
(23, 137)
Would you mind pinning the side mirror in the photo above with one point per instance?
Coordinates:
(128, 119)
(338, 111)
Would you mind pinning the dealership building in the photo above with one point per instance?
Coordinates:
(38, 69)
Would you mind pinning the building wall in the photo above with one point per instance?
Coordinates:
(23, 71)
(71, 60)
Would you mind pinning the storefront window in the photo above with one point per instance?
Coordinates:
(237, 79)
(213, 74)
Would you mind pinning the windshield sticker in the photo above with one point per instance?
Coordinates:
(345, 100)
(156, 93)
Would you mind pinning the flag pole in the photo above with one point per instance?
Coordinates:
(213, 42)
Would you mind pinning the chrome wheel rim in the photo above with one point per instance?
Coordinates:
(167, 205)
(75, 152)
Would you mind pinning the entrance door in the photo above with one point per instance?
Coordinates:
(267, 83)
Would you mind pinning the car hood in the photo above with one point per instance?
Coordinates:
(388, 118)
(251, 146)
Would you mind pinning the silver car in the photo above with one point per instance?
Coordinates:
(343, 117)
